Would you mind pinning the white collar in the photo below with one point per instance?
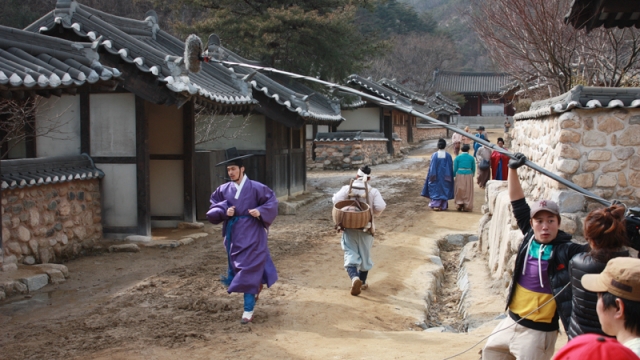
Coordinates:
(239, 187)
(441, 154)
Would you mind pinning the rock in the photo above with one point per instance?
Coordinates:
(599, 155)
(63, 269)
(568, 166)
(55, 276)
(29, 260)
(568, 201)
(124, 248)
(436, 260)
(567, 224)
(21, 288)
(163, 244)
(45, 255)
(593, 139)
(590, 166)
(584, 180)
(472, 238)
(610, 125)
(138, 238)
(634, 179)
(286, 208)
(190, 225)
(623, 153)
(35, 282)
(614, 166)
(622, 179)
(607, 181)
(455, 239)
(630, 137)
(634, 162)
(9, 267)
(198, 235)
(567, 151)
(186, 241)
(23, 234)
(569, 136)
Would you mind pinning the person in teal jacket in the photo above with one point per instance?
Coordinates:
(464, 169)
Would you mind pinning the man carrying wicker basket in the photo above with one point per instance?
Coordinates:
(357, 242)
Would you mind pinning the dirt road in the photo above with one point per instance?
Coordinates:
(169, 304)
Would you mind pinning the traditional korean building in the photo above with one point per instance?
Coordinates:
(51, 198)
(141, 134)
(486, 103)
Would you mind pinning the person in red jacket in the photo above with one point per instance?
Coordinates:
(499, 168)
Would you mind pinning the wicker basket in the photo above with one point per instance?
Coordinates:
(349, 219)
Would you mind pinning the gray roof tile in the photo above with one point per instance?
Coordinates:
(50, 170)
(290, 93)
(143, 43)
(470, 82)
(583, 97)
(591, 14)
(30, 61)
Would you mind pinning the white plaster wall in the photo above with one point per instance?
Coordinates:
(119, 195)
(113, 124)
(165, 129)
(253, 137)
(321, 129)
(167, 187)
(360, 119)
(58, 126)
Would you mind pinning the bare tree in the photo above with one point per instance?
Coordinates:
(529, 40)
(211, 126)
(18, 122)
(412, 60)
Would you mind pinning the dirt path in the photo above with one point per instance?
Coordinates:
(169, 304)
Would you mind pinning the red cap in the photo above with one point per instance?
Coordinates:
(594, 347)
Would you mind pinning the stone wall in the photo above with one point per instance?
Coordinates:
(595, 149)
(429, 133)
(49, 223)
(335, 155)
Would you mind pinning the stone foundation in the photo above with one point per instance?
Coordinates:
(423, 133)
(336, 155)
(49, 223)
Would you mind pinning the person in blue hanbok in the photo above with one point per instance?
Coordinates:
(246, 208)
(438, 186)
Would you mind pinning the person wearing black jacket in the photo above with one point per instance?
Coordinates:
(539, 295)
(606, 234)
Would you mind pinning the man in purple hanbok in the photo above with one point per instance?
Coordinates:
(246, 208)
(438, 186)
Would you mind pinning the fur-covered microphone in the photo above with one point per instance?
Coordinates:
(193, 53)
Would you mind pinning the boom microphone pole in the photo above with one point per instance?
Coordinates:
(633, 214)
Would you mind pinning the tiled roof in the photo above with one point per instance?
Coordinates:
(470, 82)
(378, 90)
(152, 50)
(290, 93)
(442, 104)
(353, 136)
(48, 170)
(592, 14)
(583, 97)
(31, 61)
(402, 90)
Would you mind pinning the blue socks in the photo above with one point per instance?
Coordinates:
(352, 271)
(363, 276)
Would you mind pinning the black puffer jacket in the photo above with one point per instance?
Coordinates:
(584, 318)
(563, 250)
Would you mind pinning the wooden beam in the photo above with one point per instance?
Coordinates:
(85, 122)
(142, 169)
(189, 152)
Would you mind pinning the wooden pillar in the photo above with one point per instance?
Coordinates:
(188, 122)
(85, 122)
(142, 169)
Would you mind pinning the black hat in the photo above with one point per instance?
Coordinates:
(480, 128)
(233, 158)
(366, 169)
